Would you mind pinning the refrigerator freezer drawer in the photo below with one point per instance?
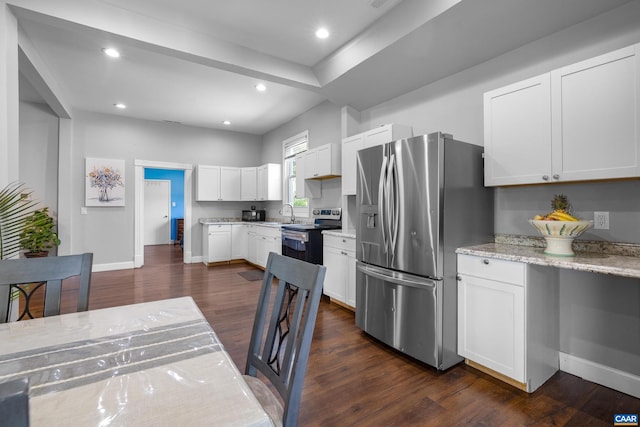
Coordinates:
(399, 310)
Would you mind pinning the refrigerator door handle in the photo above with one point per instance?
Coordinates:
(405, 280)
(381, 202)
(395, 205)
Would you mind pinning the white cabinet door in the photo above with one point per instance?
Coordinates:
(351, 279)
(339, 256)
(350, 147)
(322, 162)
(219, 243)
(229, 183)
(517, 133)
(310, 189)
(269, 183)
(252, 246)
(248, 184)
(378, 136)
(239, 241)
(262, 250)
(596, 117)
(491, 328)
(334, 281)
(207, 183)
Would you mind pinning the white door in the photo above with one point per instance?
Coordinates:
(157, 208)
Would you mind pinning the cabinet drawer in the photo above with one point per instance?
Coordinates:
(338, 242)
(219, 227)
(492, 269)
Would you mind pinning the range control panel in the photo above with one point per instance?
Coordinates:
(327, 213)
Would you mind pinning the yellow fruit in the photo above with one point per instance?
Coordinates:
(538, 217)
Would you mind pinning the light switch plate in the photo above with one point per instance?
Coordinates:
(83, 210)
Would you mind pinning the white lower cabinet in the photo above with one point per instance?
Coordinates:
(226, 242)
(260, 241)
(216, 243)
(239, 241)
(508, 319)
(340, 259)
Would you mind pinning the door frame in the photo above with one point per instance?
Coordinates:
(138, 226)
(168, 200)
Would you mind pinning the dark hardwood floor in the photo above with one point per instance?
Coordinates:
(351, 379)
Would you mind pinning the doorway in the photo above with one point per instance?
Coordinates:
(139, 220)
(157, 212)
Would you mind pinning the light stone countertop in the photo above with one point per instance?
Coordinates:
(341, 233)
(224, 221)
(618, 265)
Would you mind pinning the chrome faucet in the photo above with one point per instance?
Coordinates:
(293, 218)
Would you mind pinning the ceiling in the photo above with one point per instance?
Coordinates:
(196, 62)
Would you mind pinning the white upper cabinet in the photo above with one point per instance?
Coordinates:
(517, 133)
(310, 189)
(351, 145)
(262, 182)
(269, 182)
(322, 162)
(595, 103)
(576, 123)
(214, 183)
(249, 184)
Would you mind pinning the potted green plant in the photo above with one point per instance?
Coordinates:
(38, 234)
(15, 206)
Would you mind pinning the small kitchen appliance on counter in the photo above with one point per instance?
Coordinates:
(304, 241)
(254, 215)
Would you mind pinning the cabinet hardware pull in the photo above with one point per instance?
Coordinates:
(485, 261)
(545, 177)
(458, 278)
(556, 176)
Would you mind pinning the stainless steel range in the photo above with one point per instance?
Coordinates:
(304, 241)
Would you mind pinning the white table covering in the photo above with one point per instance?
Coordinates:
(149, 364)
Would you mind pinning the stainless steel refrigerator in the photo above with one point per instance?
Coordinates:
(418, 199)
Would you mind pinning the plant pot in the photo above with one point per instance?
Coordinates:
(40, 254)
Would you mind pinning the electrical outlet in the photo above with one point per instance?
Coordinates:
(601, 220)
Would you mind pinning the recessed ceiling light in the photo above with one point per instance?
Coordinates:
(322, 33)
(226, 122)
(120, 105)
(260, 87)
(109, 51)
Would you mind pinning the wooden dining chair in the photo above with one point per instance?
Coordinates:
(282, 352)
(27, 275)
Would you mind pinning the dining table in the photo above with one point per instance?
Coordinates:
(149, 364)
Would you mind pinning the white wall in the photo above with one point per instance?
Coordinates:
(108, 231)
(39, 153)
(599, 314)
(323, 123)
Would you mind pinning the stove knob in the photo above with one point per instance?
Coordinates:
(316, 211)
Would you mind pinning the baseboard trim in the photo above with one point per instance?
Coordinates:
(601, 374)
(113, 266)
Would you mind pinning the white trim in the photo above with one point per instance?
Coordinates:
(601, 374)
(112, 266)
(139, 166)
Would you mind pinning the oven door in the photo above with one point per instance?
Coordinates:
(294, 244)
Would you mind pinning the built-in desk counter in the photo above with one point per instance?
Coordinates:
(593, 262)
(521, 321)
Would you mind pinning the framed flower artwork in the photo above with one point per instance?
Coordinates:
(104, 182)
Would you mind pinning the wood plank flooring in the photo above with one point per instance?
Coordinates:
(353, 380)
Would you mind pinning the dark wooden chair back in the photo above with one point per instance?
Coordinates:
(27, 275)
(281, 354)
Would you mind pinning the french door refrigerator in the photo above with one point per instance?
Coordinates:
(417, 200)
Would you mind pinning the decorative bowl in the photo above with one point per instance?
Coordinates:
(560, 234)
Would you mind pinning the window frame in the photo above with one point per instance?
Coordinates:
(300, 138)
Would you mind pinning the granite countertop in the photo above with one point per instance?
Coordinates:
(593, 262)
(230, 221)
(341, 233)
